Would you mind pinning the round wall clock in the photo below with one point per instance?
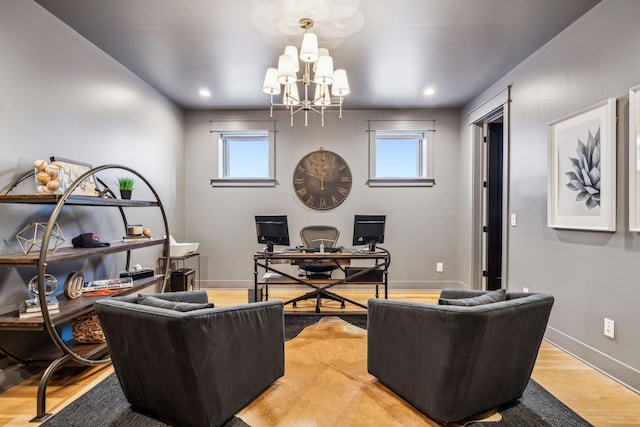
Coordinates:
(322, 179)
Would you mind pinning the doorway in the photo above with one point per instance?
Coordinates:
(492, 196)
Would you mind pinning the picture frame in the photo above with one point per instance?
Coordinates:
(581, 179)
(72, 171)
(634, 159)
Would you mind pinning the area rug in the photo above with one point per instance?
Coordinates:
(325, 384)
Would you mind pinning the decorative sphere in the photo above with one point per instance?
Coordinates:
(52, 170)
(146, 232)
(40, 164)
(50, 284)
(43, 177)
(53, 185)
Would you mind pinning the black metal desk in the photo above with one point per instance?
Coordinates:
(269, 262)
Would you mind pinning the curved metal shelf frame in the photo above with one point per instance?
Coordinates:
(68, 353)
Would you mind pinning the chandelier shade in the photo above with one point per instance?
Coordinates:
(292, 51)
(324, 70)
(286, 70)
(328, 82)
(340, 85)
(271, 85)
(309, 48)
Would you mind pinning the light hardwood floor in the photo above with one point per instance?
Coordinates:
(594, 396)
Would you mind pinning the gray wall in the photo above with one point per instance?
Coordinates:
(61, 96)
(421, 222)
(592, 274)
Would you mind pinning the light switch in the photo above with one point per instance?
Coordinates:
(514, 220)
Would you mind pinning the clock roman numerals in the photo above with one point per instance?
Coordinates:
(322, 180)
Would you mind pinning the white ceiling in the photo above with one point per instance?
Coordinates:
(458, 47)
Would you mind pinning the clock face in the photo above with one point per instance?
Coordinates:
(322, 180)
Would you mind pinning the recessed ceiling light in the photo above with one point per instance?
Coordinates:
(429, 91)
(205, 93)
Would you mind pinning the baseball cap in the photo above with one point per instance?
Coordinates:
(88, 240)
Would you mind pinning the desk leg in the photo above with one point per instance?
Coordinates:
(255, 281)
(386, 283)
(199, 272)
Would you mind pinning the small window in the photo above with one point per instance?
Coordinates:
(401, 158)
(245, 158)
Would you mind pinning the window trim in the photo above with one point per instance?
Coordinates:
(425, 159)
(221, 167)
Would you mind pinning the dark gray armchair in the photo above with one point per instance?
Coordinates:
(198, 367)
(452, 362)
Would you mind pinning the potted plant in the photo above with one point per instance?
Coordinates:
(126, 185)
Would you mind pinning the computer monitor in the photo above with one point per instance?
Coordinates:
(368, 230)
(272, 230)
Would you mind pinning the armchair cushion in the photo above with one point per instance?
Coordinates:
(489, 297)
(171, 305)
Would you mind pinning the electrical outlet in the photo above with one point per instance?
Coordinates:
(514, 220)
(524, 289)
(439, 267)
(609, 328)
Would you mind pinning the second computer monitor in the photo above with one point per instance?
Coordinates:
(272, 230)
(368, 230)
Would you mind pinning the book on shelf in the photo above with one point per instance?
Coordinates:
(130, 239)
(33, 305)
(98, 285)
(28, 314)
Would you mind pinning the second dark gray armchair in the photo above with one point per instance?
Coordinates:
(197, 368)
(452, 362)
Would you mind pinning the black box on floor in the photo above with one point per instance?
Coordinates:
(137, 274)
(372, 276)
(182, 279)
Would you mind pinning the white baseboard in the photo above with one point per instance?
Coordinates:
(614, 369)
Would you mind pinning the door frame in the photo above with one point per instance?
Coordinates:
(494, 108)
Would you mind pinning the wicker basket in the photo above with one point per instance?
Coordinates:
(86, 329)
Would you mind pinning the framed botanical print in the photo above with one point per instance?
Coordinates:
(634, 158)
(581, 177)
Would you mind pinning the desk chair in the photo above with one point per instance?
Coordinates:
(312, 237)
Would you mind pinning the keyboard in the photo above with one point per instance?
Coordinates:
(316, 250)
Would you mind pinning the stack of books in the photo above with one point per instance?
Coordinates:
(31, 307)
(99, 285)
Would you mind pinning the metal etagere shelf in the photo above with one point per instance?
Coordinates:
(68, 350)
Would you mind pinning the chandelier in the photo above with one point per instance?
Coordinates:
(330, 86)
